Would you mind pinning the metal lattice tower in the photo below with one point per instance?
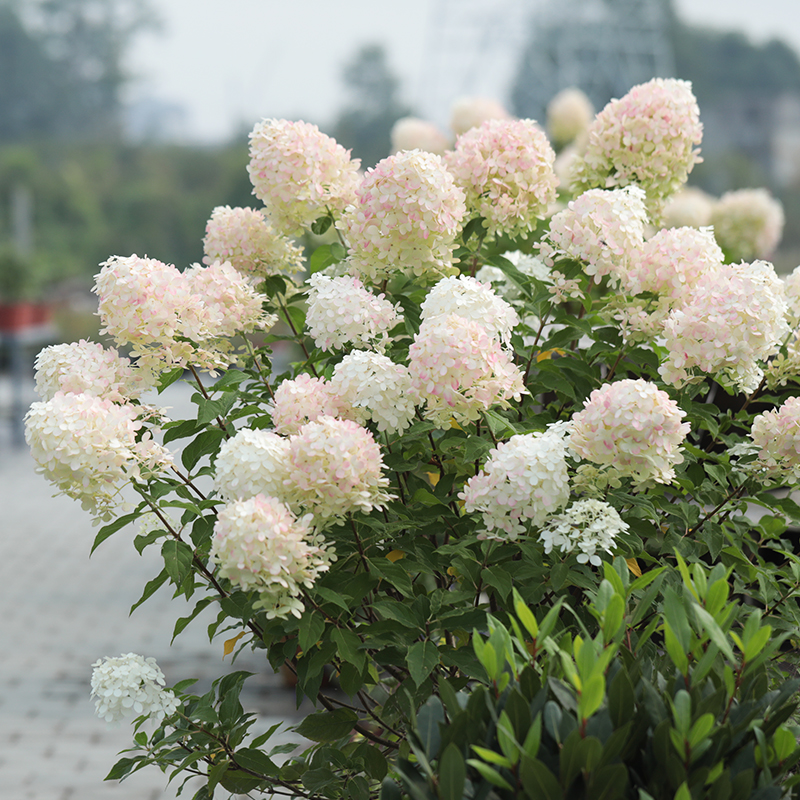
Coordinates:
(603, 47)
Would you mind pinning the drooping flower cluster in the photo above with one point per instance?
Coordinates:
(341, 311)
(604, 229)
(299, 173)
(411, 133)
(569, 114)
(748, 224)
(302, 400)
(589, 525)
(648, 137)
(244, 237)
(632, 426)
(522, 483)
(777, 435)
(459, 369)
(87, 447)
(130, 686)
(735, 317)
(252, 462)
(87, 367)
(405, 218)
(335, 466)
(259, 544)
(505, 168)
(372, 387)
(470, 299)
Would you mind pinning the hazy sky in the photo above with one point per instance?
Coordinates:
(229, 63)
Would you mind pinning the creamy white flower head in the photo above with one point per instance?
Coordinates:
(335, 467)
(590, 526)
(87, 447)
(748, 224)
(469, 112)
(604, 229)
(130, 686)
(777, 436)
(252, 462)
(87, 367)
(459, 369)
(341, 311)
(468, 298)
(245, 238)
(376, 389)
(689, 207)
(259, 544)
(569, 115)
(734, 319)
(302, 400)
(791, 285)
(411, 133)
(522, 483)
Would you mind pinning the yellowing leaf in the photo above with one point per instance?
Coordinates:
(633, 566)
(395, 555)
(433, 477)
(454, 424)
(230, 644)
(548, 354)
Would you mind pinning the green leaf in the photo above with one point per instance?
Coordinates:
(538, 781)
(321, 224)
(621, 698)
(347, 643)
(328, 726)
(177, 560)
(112, 528)
(492, 757)
(168, 378)
(256, 761)
(122, 768)
(490, 774)
(429, 718)
(212, 409)
(452, 774)
(312, 624)
(150, 588)
(714, 631)
(205, 444)
(421, 658)
(591, 695)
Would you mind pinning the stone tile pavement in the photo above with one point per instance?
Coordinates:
(61, 611)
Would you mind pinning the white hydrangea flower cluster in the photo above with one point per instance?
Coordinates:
(130, 686)
(335, 466)
(689, 207)
(777, 435)
(589, 525)
(299, 173)
(411, 133)
(569, 114)
(459, 369)
(748, 224)
(522, 483)
(405, 219)
(87, 447)
(604, 229)
(505, 168)
(88, 368)
(302, 400)
(252, 462)
(632, 426)
(735, 318)
(259, 544)
(374, 388)
(648, 138)
(470, 299)
(341, 311)
(470, 112)
(791, 286)
(245, 238)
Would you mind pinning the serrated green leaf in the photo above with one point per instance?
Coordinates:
(421, 659)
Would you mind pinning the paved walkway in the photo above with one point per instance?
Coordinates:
(61, 611)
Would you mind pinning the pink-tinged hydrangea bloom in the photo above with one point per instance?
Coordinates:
(252, 462)
(411, 133)
(522, 483)
(87, 447)
(299, 173)
(777, 435)
(244, 237)
(469, 298)
(259, 544)
(335, 467)
(405, 219)
(604, 229)
(130, 686)
(459, 369)
(648, 137)
(87, 367)
(633, 426)
(689, 207)
(569, 115)
(376, 389)
(469, 112)
(735, 317)
(302, 400)
(791, 284)
(590, 526)
(673, 261)
(748, 224)
(341, 311)
(505, 168)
